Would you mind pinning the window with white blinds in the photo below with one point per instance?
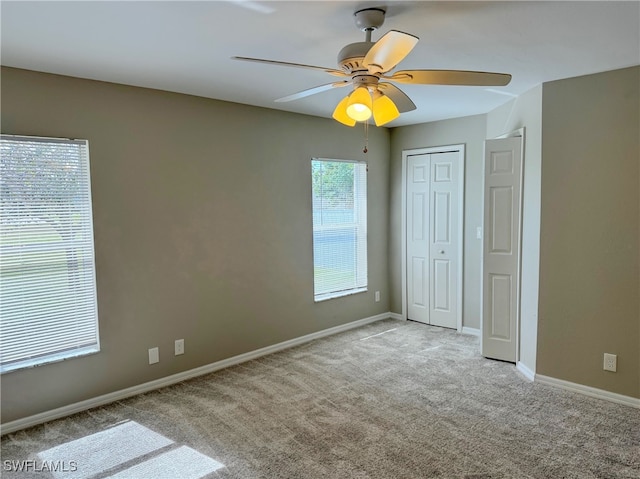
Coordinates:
(48, 308)
(339, 227)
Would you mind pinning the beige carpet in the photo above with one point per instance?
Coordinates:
(390, 400)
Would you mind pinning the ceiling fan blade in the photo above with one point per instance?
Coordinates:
(331, 71)
(388, 51)
(313, 91)
(400, 98)
(450, 77)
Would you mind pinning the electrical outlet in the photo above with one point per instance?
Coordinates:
(377, 296)
(610, 362)
(154, 355)
(179, 347)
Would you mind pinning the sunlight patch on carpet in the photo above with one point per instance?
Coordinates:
(379, 334)
(119, 450)
(183, 462)
(104, 450)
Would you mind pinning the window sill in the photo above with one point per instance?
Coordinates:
(54, 358)
(338, 294)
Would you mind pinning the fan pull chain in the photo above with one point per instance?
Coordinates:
(366, 137)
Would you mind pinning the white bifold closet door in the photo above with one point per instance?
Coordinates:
(432, 234)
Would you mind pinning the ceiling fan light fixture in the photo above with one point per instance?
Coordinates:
(340, 113)
(363, 64)
(359, 104)
(384, 110)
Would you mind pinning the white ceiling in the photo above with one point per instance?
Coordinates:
(186, 46)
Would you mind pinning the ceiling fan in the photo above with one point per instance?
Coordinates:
(367, 65)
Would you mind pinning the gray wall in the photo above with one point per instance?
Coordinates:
(589, 258)
(526, 112)
(202, 219)
(469, 131)
(203, 226)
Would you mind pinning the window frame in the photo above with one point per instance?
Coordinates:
(361, 278)
(90, 289)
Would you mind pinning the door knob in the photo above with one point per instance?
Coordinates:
(441, 251)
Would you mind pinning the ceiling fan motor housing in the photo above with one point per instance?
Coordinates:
(350, 57)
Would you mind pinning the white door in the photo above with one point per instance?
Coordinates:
(433, 238)
(418, 186)
(443, 257)
(501, 248)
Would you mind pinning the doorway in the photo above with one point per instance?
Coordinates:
(432, 235)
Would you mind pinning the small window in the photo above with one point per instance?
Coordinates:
(48, 308)
(339, 227)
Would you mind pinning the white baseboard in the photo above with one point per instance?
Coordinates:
(40, 418)
(472, 331)
(525, 371)
(396, 316)
(589, 391)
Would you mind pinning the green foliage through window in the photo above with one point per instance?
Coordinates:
(339, 190)
(48, 305)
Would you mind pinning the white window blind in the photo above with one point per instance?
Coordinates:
(339, 227)
(48, 308)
